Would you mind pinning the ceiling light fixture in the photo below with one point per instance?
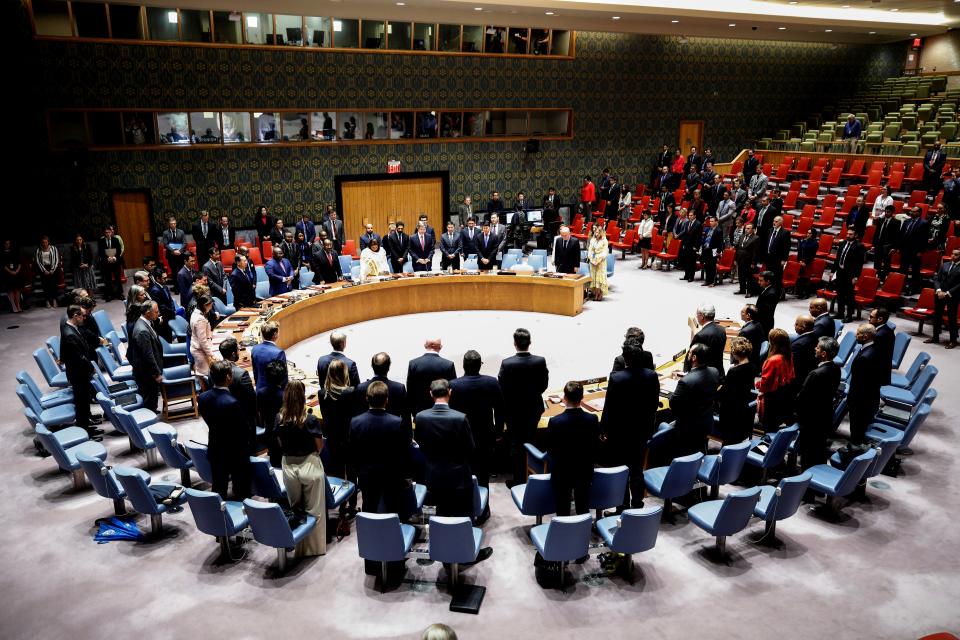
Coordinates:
(549, 13)
(401, 4)
(615, 18)
(732, 24)
(674, 21)
(828, 30)
(894, 9)
(781, 28)
(873, 33)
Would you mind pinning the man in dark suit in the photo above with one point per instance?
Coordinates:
(334, 229)
(753, 331)
(174, 243)
(735, 414)
(764, 223)
(551, 214)
(110, 256)
(307, 227)
(566, 252)
(338, 342)
(75, 356)
(185, 278)
(823, 324)
(146, 355)
(629, 419)
(858, 217)
(422, 245)
(241, 385)
(325, 263)
(885, 240)
(379, 443)
(777, 248)
(397, 244)
(815, 405)
(746, 257)
(633, 335)
(480, 399)
(159, 293)
(802, 348)
(947, 285)
(523, 379)
(468, 237)
(662, 160)
(665, 208)
(446, 442)
(690, 234)
(846, 269)
(279, 272)
(692, 404)
(450, 249)
(423, 370)
(487, 247)
(712, 336)
(203, 232)
(396, 392)
(767, 302)
(368, 236)
(230, 439)
(710, 248)
(243, 283)
(863, 387)
(913, 242)
(750, 164)
(883, 341)
(572, 438)
(216, 278)
(224, 236)
(266, 352)
(933, 163)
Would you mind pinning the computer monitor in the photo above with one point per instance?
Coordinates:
(535, 216)
(294, 34)
(318, 36)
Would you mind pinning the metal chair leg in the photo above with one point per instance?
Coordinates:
(156, 523)
(152, 458)
(79, 479)
(383, 576)
(281, 559)
(721, 545)
(119, 507)
(225, 546)
(539, 520)
(185, 478)
(454, 575)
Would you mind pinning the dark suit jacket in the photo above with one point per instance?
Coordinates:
(767, 303)
(887, 233)
(948, 279)
(309, 230)
(242, 389)
(378, 445)
(572, 440)
(421, 371)
(883, 342)
(244, 289)
(935, 167)
(566, 255)
(230, 429)
(733, 400)
(746, 254)
(753, 331)
(276, 272)
(216, 279)
(866, 378)
(335, 233)
(815, 400)
(204, 242)
(480, 399)
(263, 228)
(523, 379)
(328, 270)
(692, 405)
(426, 251)
(777, 247)
(488, 250)
(858, 219)
(714, 338)
(824, 326)
(804, 358)
(446, 442)
(324, 363)
(161, 295)
(913, 236)
(75, 354)
(646, 362)
(629, 413)
(397, 246)
(261, 355)
(365, 240)
(144, 352)
(852, 262)
(184, 283)
(467, 244)
(764, 222)
(218, 238)
(450, 245)
(396, 400)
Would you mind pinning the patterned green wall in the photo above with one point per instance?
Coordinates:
(628, 93)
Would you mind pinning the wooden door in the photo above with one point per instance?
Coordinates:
(381, 202)
(131, 210)
(691, 135)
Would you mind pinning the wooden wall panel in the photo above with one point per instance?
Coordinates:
(381, 202)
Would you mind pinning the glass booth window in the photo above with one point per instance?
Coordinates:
(227, 27)
(507, 123)
(91, 19)
(473, 38)
(205, 127)
(126, 22)
(475, 123)
(52, 18)
(318, 32)
(518, 40)
(494, 38)
(560, 43)
(399, 35)
(401, 125)
(67, 129)
(106, 128)
(296, 126)
(258, 28)
(195, 25)
(373, 31)
(375, 125)
(426, 124)
(423, 37)
(174, 128)
(451, 124)
(549, 123)
(350, 122)
(163, 24)
(346, 33)
(540, 41)
(138, 128)
(236, 127)
(290, 30)
(449, 39)
(323, 125)
(267, 129)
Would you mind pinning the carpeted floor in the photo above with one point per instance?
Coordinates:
(889, 570)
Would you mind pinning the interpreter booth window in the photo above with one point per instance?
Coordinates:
(236, 127)
(475, 123)
(549, 123)
(138, 128)
(174, 128)
(52, 18)
(495, 39)
(376, 125)
(560, 43)
(318, 32)
(399, 35)
(206, 127)
(296, 126)
(351, 125)
(401, 125)
(507, 123)
(451, 124)
(426, 124)
(473, 36)
(126, 22)
(290, 29)
(346, 33)
(323, 125)
(518, 40)
(423, 38)
(106, 128)
(68, 129)
(267, 128)
(163, 24)
(91, 19)
(539, 41)
(373, 31)
(449, 37)
(258, 28)
(195, 26)
(228, 27)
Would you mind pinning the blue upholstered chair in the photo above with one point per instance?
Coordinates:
(178, 386)
(180, 328)
(764, 349)
(838, 329)
(885, 447)
(262, 290)
(905, 380)
(539, 252)
(134, 425)
(674, 481)
(48, 367)
(104, 481)
(53, 399)
(114, 339)
(216, 517)
(608, 488)
(53, 417)
(454, 541)
(914, 394)
(776, 450)
(141, 497)
(781, 502)
(537, 261)
(112, 367)
(201, 460)
(584, 269)
(267, 481)
(471, 264)
(722, 518)
(900, 343)
(847, 343)
(537, 461)
(338, 491)
(346, 264)
(381, 537)
(66, 456)
(271, 528)
(224, 309)
(165, 437)
(103, 322)
(306, 277)
(173, 354)
(838, 483)
(724, 467)
(611, 263)
(53, 343)
(509, 259)
(563, 539)
(633, 531)
(882, 429)
(481, 498)
(535, 498)
(114, 390)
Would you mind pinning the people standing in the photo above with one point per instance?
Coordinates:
(523, 378)
(229, 443)
(597, 251)
(145, 354)
(572, 442)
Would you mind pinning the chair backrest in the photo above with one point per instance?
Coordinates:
(730, 463)
(138, 493)
(25, 378)
(681, 475)
(379, 537)
(48, 367)
(887, 447)
(265, 482)
(52, 445)
(131, 428)
(608, 487)
(107, 360)
(736, 511)
(114, 340)
(28, 399)
(509, 260)
(900, 343)
(53, 343)
(268, 523)
(778, 447)
(847, 342)
(452, 539)
(790, 496)
(103, 322)
(165, 438)
(918, 418)
(207, 508)
(638, 530)
(922, 359)
(854, 472)
(919, 387)
(104, 481)
(201, 460)
(106, 405)
(539, 494)
(568, 538)
(219, 306)
(537, 261)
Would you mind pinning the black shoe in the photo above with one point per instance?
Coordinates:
(932, 341)
(94, 432)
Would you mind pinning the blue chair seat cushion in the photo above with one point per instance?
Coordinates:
(71, 436)
(707, 467)
(891, 393)
(124, 372)
(899, 380)
(484, 497)
(89, 448)
(304, 528)
(654, 478)
(767, 493)
(704, 514)
(342, 489)
(409, 534)
(59, 380)
(55, 416)
(236, 519)
(825, 478)
(420, 493)
(879, 431)
(516, 492)
(539, 537)
(143, 417)
(56, 398)
(607, 528)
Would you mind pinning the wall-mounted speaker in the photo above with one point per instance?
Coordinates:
(532, 146)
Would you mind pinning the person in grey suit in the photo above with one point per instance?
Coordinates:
(145, 354)
(425, 369)
(216, 279)
(523, 379)
(338, 342)
(465, 210)
(334, 229)
(450, 248)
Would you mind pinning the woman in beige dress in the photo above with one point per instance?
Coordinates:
(597, 251)
(303, 475)
(201, 337)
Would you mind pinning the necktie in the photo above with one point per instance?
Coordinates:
(108, 243)
(843, 258)
(773, 239)
(486, 238)
(422, 244)
(329, 258)
(204, 227)
(933, 158)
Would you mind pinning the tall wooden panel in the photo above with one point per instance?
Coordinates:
(131, 210)
(384, 201)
